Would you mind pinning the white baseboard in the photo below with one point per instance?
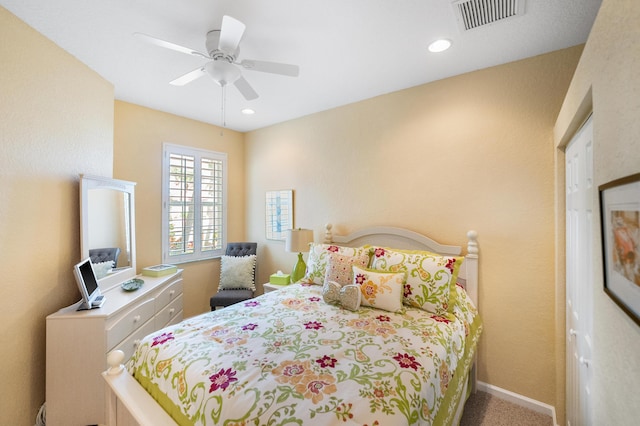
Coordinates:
(521, 400)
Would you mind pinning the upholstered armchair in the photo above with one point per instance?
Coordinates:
(237, 275)
(100, 255)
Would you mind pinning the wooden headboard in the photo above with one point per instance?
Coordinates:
(400, 238)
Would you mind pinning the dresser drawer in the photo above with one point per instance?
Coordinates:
(129, 345)
(166, 315)
(120, 327)
(179, 317)
(170, 293)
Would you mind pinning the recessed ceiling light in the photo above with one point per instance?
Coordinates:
(248, 111)
(440, 45)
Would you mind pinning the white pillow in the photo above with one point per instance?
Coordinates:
(381, 290)
(102, 269)
(237, 272)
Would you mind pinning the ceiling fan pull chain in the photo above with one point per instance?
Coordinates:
(222, 112)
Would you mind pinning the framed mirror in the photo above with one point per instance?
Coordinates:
(107, 228)
(279, 213)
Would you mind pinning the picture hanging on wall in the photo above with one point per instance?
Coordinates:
(279, 213)
(620, 215)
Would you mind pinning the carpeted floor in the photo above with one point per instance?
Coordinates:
(483, 409)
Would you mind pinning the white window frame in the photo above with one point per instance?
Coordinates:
(198, 154)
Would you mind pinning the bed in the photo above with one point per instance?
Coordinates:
(304, 355)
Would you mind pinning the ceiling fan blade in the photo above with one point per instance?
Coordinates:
(230, 34)
(271, 67)
(169, 45)
(245, 89)
(188, 77)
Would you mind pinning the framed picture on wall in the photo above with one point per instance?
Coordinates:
(620, 215)
(279, 213)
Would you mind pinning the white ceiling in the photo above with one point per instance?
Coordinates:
(347, 50)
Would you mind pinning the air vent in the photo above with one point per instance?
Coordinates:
(476, 13)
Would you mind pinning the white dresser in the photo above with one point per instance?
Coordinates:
(78, 343)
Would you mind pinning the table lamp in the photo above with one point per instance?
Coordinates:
(298, 240)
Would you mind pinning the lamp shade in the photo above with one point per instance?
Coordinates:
(298, 240)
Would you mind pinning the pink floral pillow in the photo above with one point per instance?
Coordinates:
(340, 267)
(319, 259)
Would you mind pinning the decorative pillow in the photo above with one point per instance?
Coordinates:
(431, 278)
(319, 259)
(382, 290)
(347, 296)
(237, 272)
(340, 267)
(102, 269)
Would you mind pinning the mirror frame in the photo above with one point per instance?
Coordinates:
(88, 182)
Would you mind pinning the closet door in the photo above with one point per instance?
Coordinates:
(580, 195)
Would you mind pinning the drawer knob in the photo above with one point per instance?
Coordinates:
(136, 318)
(136, 343)
(171, 311)
(172, 292)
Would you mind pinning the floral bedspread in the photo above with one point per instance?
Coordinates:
(287, 357)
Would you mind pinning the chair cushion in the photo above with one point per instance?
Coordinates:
(229, 297)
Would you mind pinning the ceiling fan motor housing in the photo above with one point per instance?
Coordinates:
(211, 44)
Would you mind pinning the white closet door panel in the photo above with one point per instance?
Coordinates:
(579, 261)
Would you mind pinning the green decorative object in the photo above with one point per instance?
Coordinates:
(298, 240)
(299, 269)
(159, 270)
(132, 285)
(280, 278)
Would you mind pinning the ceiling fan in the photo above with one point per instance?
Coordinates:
(223, 47)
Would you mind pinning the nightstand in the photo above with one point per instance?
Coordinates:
(267, 287)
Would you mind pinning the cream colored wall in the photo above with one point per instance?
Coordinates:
(608, 79)
(139, 135)
(482, 137)
(469, 152)
(56, 121)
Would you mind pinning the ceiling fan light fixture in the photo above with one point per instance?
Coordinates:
(222, 72)
(440, 45)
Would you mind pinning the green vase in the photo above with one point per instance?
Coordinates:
(298, 270)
